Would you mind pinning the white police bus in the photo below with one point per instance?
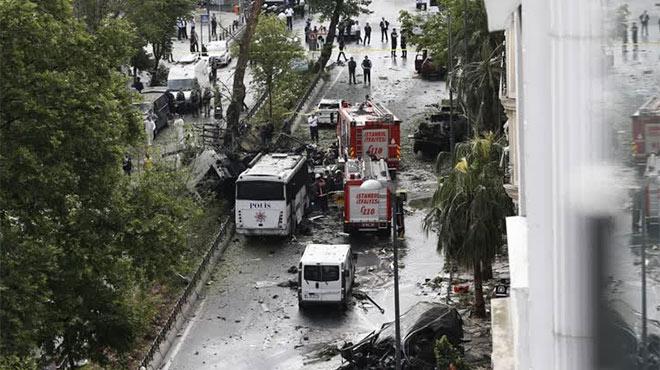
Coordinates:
(271, 195)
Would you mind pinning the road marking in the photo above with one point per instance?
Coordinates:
(171, 355)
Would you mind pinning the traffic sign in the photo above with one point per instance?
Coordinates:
(205, 18)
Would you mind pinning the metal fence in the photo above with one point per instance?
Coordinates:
(226, 229)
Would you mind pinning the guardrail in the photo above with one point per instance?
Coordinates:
(226, 228)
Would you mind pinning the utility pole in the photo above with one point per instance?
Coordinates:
(643, 255)
(450, 70)
(395, 237)
(452, 139)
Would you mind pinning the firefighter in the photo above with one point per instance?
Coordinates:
(400, 224)
(313, 122)
(321, 193)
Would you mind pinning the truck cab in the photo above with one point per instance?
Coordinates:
(325, 274)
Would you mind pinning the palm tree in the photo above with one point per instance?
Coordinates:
(477, 84)
(469, 208)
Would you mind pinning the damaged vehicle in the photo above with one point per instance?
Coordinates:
(421, 326)
(432, 136)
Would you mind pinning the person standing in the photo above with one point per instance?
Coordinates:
(404, 50)
(214, 26)
(185, 28)
(367, 34)
(313, 122)
(352, 65)
(633, 33)
(624, 36)
(341, 50)
(384, 26)
(150, 129)
(366, 70)
(321, 193)
(138, 85)
(192, 26)
(644, 20)
(289, 18)
(394, 39)
(193, 42)
(180, 27)
(195, 102)
(178, 127)
(206, 102)
(127, 165)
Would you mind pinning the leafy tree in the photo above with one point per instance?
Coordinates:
(71, 286)
(336, 10)
(157, 210)
(469, 207)
(92, 12)
(155, 21)
(273, 49)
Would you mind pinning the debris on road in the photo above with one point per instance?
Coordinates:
(293, 284)
(421, 325)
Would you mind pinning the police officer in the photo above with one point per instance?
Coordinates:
(366, 69)
(394, 38)
(351, 71)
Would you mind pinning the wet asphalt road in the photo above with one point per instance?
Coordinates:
(634, 77)
(246, 321)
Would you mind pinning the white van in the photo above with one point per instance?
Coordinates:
(328, 111)
(218, 53)
(325, 274)
(189, 73)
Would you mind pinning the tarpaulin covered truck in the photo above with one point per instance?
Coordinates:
(369, 130)
(367, 196)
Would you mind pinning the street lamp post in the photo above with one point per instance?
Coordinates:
(397, 323)
(643, 256)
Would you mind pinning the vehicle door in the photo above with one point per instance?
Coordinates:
(321, 283)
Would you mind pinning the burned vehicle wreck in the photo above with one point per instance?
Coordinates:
(421, 326)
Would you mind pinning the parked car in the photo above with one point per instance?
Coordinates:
(428, 68)
(327, 111)
(218, 53)
(155, 101)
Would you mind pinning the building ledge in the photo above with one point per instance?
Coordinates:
(512, 191)
(502, 331)
(509, 104)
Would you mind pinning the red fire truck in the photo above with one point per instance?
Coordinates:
(369, 130)
(367, 196)
(646, 129)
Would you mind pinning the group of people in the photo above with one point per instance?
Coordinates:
(324, 184)
(635, 31)
(314, 37)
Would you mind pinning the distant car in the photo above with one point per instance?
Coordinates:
(218, 53)
(327, 111)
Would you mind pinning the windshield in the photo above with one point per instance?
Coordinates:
(259, 190)
(322, 273)
(181, 84)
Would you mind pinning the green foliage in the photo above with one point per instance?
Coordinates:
(16, 363)
(470, 205)
(446, 355)
(348, 8)
(73, 280)
(155, 215)
(273, 49)
(155, 21)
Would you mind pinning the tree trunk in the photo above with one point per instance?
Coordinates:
(479, 303)
(158, 51)
(487, 268)
(238, 90)
(270, 99)
(330, 39)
